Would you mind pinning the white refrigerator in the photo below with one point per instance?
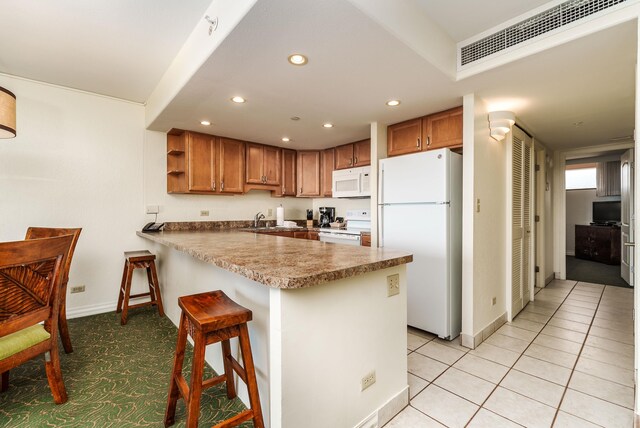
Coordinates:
(420, 211)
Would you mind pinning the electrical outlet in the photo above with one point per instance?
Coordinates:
(368, 380)
(269, 212)
(153, 209)
(77, 289)
(478, 205)
(393, 285)
(204, 213)
(493, 301)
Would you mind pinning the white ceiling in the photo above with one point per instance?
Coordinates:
(118, 48)
(122, 48)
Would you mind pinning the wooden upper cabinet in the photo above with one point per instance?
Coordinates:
(362, 153)
(328, 156)
(289, 172)
(344, 156)
(404, 137)
(201, 162)
(353, 154)
(254, 163)
(263, 164)
(272, 165)
(438, 130)
(308, 173)
(231, 165)
(443, 129)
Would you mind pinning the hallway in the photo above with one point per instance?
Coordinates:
(565, 361)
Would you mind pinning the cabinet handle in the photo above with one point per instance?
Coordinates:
(301, 190)
(221, 184)
(350, 161)
(428, 141)
(418, 143)
(356, 161)
(213, 184)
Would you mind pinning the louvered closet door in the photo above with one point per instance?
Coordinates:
(521, 220)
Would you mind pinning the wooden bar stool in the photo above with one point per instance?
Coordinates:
(211, 318)
(133, 260)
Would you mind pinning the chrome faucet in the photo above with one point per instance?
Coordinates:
(257, 218)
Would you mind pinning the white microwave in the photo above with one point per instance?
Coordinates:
(352, 183)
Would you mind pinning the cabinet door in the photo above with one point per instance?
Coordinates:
(344, 156)
(327, 172)
(231, 165)
(404, 137)
(201, 165)
(444, 129)
(362, 153)
(602, 245)
(271, 166)
(254, 163)
(288, 172)
(308, 173)
(312, 235)
(300, 235)
(582, 242)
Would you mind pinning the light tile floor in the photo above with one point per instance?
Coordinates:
(565, 361)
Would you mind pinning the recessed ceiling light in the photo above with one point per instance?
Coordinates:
(205, 123)
(578, 123)
(393, 103)
(297, 59)
(295, 118)
(238, 99)
(328, 125)
(286, 139)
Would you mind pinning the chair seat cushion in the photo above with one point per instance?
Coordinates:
(21, 340)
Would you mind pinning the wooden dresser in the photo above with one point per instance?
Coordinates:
(598, 243)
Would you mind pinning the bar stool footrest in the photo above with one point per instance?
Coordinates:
(236, 420)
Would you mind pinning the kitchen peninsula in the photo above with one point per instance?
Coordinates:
(322, 319)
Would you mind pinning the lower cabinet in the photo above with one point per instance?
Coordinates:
(365, 240)
(299, 234)
(598, 243)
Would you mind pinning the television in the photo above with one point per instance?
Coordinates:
(606, 212)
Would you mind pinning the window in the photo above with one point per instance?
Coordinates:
(580, 177)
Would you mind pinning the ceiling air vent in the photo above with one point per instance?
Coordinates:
(542, 23)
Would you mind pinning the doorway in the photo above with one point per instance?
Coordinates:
(593, 216)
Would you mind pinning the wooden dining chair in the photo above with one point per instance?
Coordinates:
(30, 284)
(50, 232)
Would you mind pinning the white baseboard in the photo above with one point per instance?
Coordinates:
(472, 342)
(101, 308)
(388, 410)
(85, 311)
(571, 253)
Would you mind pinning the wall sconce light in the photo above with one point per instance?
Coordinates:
(500, 122)
(7, 114)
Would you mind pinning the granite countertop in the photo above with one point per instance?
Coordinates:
(276, 261)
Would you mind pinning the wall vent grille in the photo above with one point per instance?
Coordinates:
(546, 21)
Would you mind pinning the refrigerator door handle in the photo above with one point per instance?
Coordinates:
(380, 226)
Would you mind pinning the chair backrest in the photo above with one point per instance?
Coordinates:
(50, 232)
(30, 281)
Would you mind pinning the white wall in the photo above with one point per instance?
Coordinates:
(76, 162)
(484, 180)
(187, 207)
(341, 205)
(548, 224)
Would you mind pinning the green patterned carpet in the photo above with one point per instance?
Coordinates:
(115, 377)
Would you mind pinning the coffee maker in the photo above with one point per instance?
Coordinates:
(327, 216)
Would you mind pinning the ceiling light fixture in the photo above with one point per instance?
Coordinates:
(393, 103)
(7, 113)
(205, 122)
(286, 139)
(500, 123)
(238, 100)
(297, 59)
(294, 118)
(328, 125)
